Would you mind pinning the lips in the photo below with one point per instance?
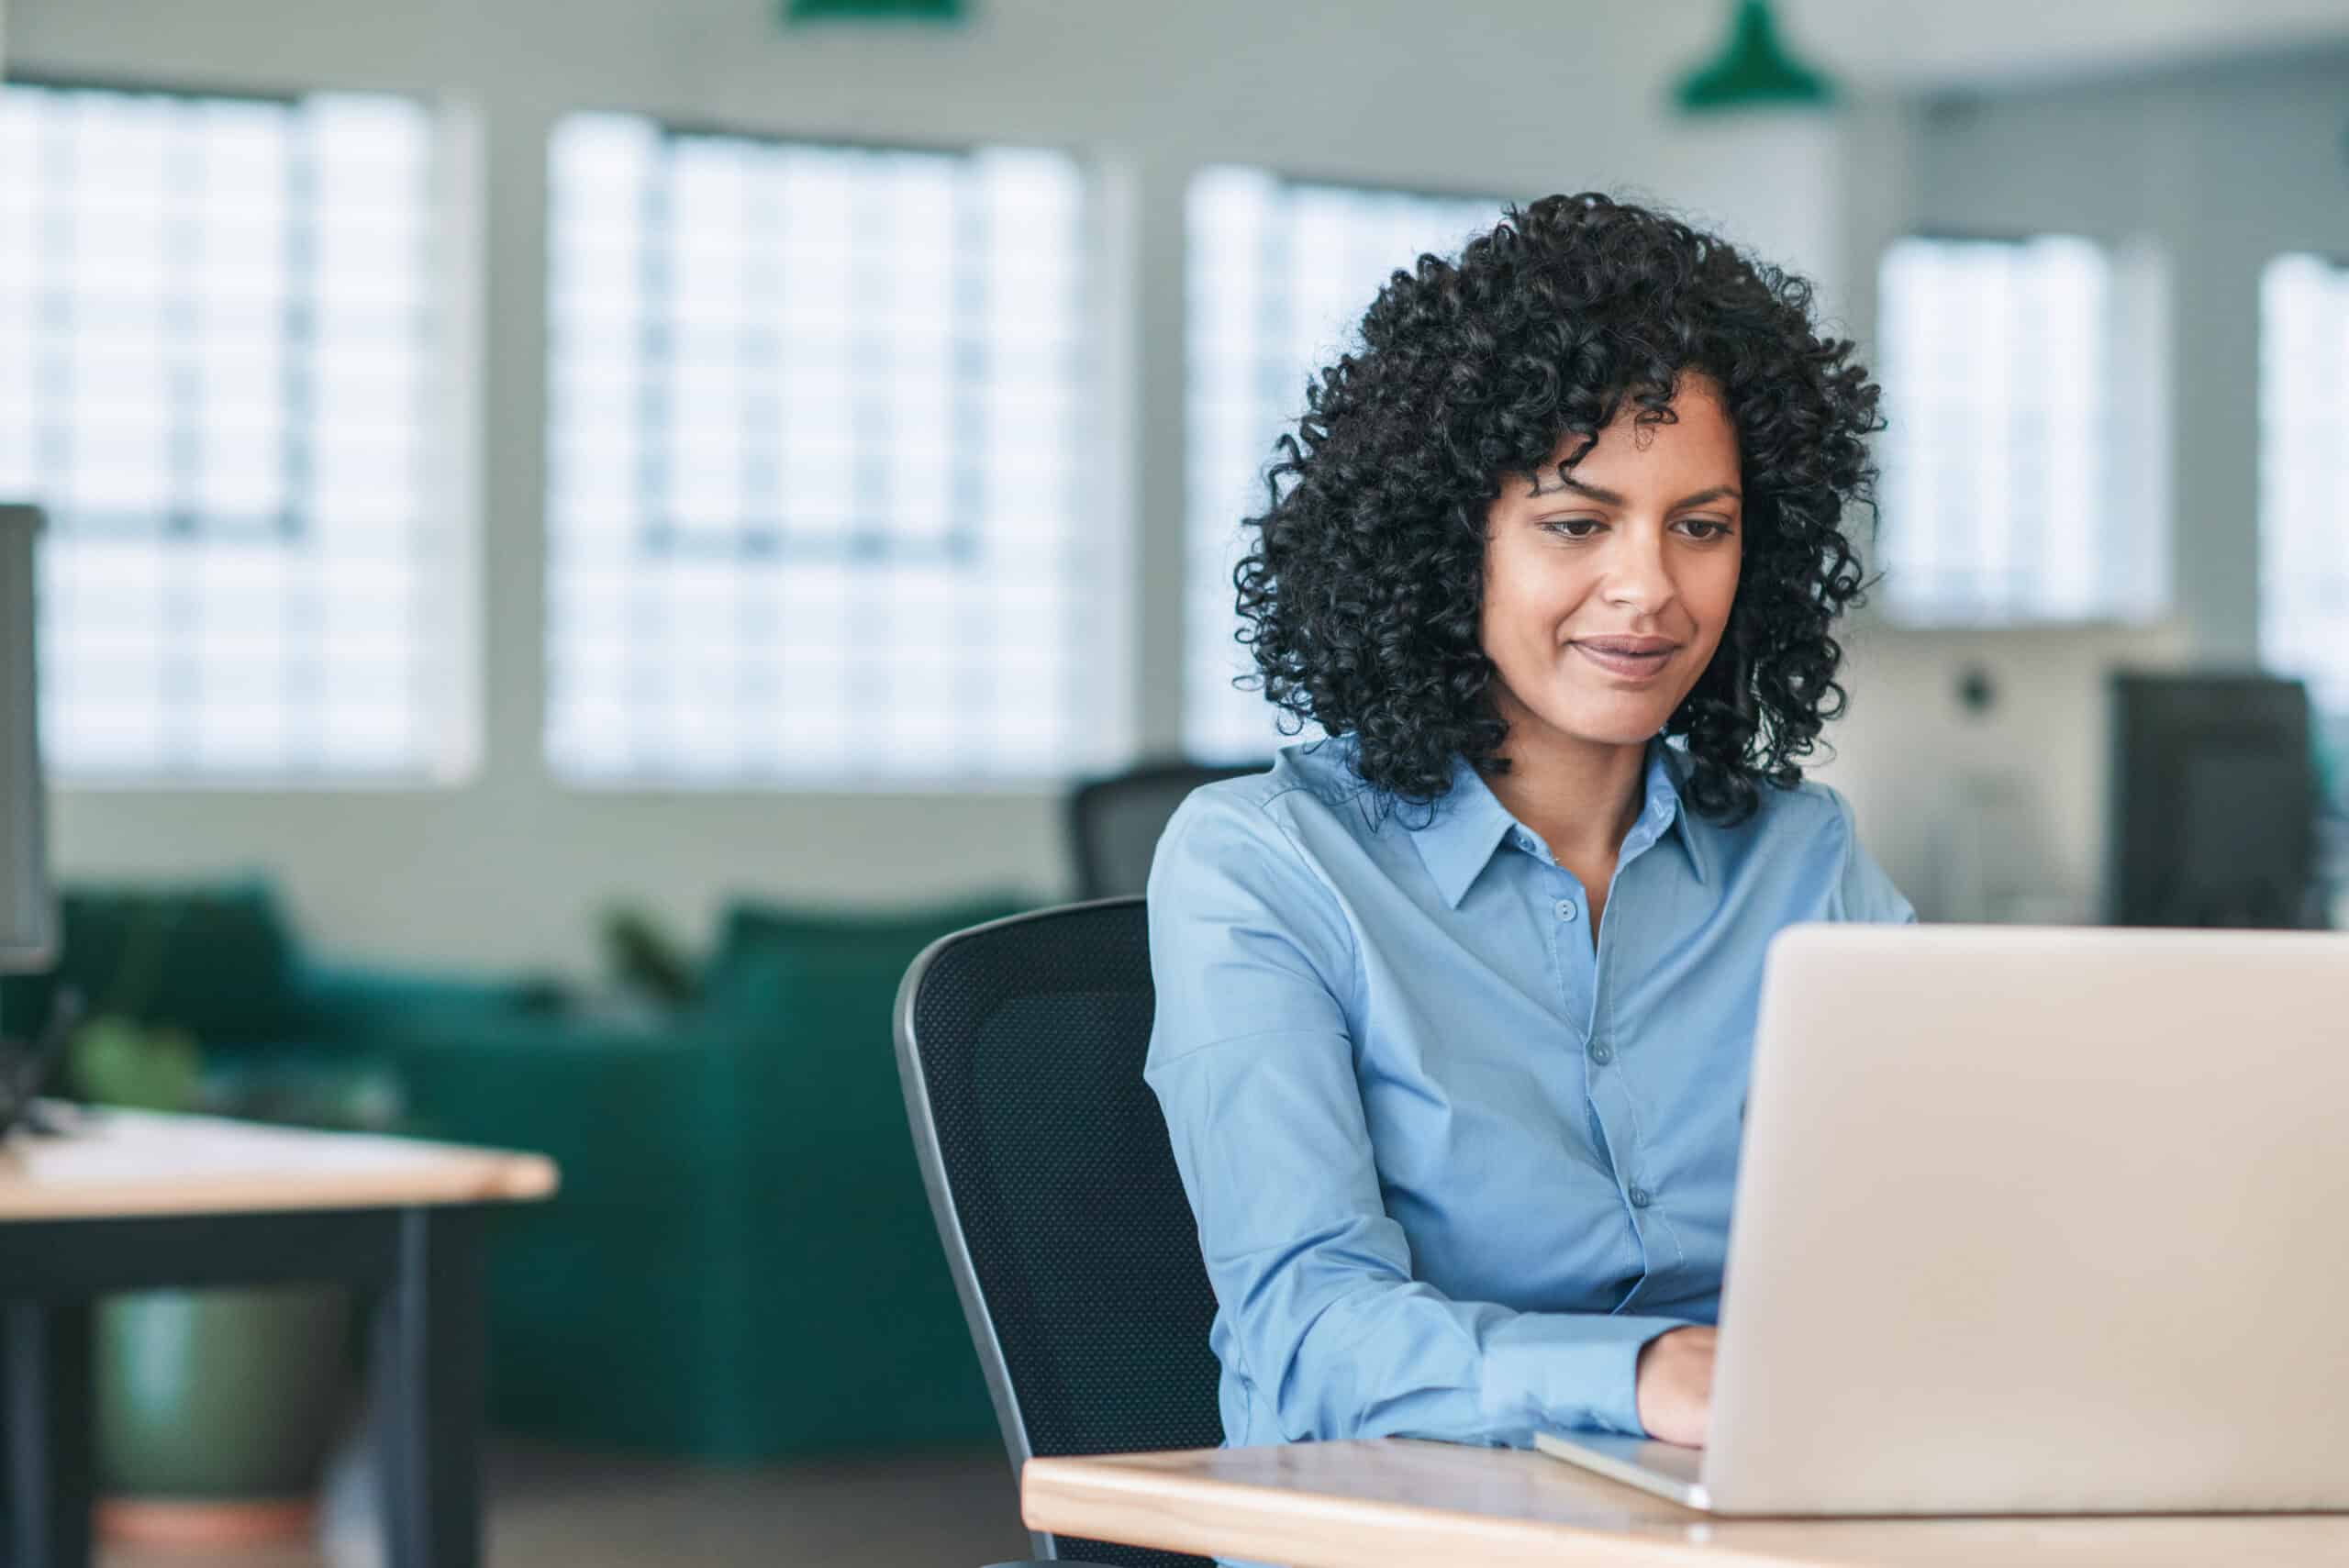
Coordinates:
(1625, 644)
(1633, 657)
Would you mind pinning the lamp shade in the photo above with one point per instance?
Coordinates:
(872, 10)
(1753, 70)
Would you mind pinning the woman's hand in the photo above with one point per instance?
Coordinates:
(1674, 1386)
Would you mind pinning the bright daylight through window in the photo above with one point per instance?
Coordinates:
(2304, 474)
(220, 372)
(2024, 472)
(819, 422)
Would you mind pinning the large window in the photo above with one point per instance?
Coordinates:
(2024, 469)
(220, 370)
(2304, 473)
(820, 508)
(1280, 272)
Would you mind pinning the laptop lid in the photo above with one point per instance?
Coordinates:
(2040, 1220)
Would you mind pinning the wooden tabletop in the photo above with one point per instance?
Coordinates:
(117, 1164)
(1386, 1504)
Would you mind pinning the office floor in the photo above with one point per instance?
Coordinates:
(553, 1508)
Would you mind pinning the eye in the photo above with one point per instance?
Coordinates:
(1571, 527)
(1704, 528)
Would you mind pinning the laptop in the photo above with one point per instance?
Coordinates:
(2033, 1221)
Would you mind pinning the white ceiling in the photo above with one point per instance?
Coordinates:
(1948, 43)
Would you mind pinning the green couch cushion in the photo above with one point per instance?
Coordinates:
(850, 1199)
(743, 981)
(213, 959)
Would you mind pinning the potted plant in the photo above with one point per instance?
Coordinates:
(214, 1408)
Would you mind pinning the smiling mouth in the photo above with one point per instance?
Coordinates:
(1620, 660)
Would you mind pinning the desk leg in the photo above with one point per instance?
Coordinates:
(45, 1372)
(428, 1357)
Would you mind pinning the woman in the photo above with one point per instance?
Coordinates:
(1454, 1008)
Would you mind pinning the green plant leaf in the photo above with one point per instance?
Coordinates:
(117, 1061)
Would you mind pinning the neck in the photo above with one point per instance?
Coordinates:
(1581, 796)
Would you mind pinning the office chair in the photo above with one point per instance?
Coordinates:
(1021, 1046)
(1114, 823)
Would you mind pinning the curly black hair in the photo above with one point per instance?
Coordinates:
(1361, 589)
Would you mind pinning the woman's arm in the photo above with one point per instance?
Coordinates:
(1254, 1067)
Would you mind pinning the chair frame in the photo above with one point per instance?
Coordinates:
(1073, 809)
(941, 1187)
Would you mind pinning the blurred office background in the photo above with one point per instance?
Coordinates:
(551, 505)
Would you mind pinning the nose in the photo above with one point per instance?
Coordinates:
(1638, 579)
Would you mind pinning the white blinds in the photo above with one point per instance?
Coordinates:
(2304, 473)
(2025, 477)
(818, 437)
(220, 361)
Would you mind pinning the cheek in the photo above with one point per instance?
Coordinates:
(1501, 619)
(1715, 591)
(1527, 595)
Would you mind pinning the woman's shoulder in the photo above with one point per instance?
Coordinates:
(1250, 853)
(1313, 777)
(1809, 833)
(1805, 821)
(1810, 808)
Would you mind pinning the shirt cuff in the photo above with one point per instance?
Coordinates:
(1571, 1370)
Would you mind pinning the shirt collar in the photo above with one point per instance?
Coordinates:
(1469, 823)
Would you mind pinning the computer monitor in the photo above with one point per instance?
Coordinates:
(2214, 802)
(27, 904)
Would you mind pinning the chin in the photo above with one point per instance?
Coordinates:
(1607, 720)
(1612, 729)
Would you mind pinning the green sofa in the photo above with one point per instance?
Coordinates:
(741, 1263)
(280, 1030)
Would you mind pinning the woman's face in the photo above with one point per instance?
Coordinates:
(1606, 592)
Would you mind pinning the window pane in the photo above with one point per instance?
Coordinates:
(216, 371)
(2023, 473)
(816, 428)
(1280, 272)
(2304, 474)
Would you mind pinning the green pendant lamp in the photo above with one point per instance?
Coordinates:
(871, 11)
(1754, 72)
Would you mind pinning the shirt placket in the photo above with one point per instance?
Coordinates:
(1583, 967)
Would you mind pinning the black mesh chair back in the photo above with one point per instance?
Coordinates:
(1021, 1046)
(1114, 823)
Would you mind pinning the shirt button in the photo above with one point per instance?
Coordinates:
(1601, 1053)
(1641, 1198)
(1565, 908)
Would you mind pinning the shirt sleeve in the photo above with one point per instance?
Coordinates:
(1253, 1065)
(1863, 892)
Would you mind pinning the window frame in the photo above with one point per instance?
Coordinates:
(2133, 409)
(1099, 659)
(446, 646)
(2328, 685)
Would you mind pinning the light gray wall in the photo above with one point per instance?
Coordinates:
(1517, 96)
(2222, 167)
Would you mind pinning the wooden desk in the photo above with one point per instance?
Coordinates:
(1386, 1504)
(129, 1201)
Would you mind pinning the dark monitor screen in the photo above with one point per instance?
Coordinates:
(2214, 802)
(28, 908)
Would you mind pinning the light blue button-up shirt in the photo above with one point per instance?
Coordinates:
(1451, 1167)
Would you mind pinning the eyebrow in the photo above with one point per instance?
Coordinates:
(1609, 498)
